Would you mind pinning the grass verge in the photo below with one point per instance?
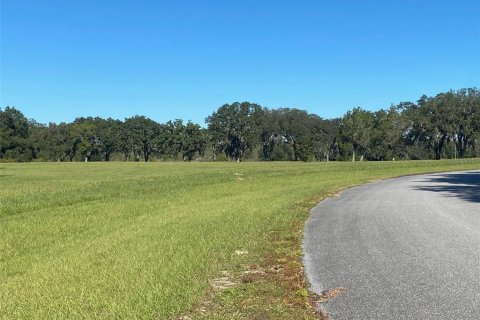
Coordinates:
(276, 287)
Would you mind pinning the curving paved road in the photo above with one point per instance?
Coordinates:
(403, 248)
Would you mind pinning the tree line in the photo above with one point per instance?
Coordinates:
(446, 125)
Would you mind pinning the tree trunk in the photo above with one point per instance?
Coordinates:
(462, 147)
(439, 148)
(295, 154)
(239, 155)
(353, 155)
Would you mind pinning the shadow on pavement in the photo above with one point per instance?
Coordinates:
(465, 186)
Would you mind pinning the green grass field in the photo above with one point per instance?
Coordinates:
(144, 240)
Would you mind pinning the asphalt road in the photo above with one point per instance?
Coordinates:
(403, 248)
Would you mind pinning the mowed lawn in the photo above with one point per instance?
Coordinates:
(144, 240)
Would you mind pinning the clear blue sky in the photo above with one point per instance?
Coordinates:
(183, 59)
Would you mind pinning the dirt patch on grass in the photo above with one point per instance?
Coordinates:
(330, 294)
(222, 283)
